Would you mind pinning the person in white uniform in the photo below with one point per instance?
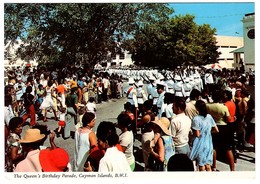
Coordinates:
(141, 97)
(160, 102)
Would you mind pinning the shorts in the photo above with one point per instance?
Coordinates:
(61, 123)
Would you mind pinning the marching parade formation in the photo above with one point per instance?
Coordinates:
(186, 117)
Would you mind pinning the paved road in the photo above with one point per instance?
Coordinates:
(108, 111)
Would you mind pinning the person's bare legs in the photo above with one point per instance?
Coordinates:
(202, 168)
(230, 158)
(208, 167)
(214, 166)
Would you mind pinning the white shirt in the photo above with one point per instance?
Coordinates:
(91, 107)
(208, 78)
(126, 139)
(180, 128)
(132, 96)
(141, 96)
(114, 161)
(160, 103)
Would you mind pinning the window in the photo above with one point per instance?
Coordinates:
(122, 56)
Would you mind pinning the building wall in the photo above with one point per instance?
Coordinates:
(225, 45)
(249, 41)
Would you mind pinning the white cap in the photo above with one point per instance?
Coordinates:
(152, 78)
(177, 77)
(161, 83)
(131, 80)
(140, 83)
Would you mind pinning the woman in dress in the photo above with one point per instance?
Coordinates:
(85, 140)
(48, 101)
(202, 148)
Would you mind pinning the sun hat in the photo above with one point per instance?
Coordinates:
(162, 126)
(32, 135)
(55, 160)
(166, 122)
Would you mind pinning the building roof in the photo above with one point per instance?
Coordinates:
(239, 50)
(229, 41)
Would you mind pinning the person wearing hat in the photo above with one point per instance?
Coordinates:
(187, 87)
(155, 96)
(149, 87)
(141, 97)
(162, 147)
(55, 160)
(160, 102)
(30, 144)
(131, 95)
(178, 87)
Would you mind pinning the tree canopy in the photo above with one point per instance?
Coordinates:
(86, 32)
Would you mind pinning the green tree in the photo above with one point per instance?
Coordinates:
(174, 42)
(82, 33)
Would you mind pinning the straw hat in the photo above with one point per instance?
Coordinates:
(166, 122)
(162, 125)
(55, 160)
(32, 135)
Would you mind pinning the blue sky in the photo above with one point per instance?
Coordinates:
(225, 17)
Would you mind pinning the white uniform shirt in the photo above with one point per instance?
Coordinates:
(160, 104)
(132, 96)
(170, 86)
(155, 95)
(141, 96)
(208, 78)
(179, 89)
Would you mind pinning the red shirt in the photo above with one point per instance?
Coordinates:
(61, 88)
(232, 110)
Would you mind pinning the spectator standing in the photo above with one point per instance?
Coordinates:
(14, 152)
(126, 138)
(202, 147)
(85, 140)
(29, 106)
(180, 127)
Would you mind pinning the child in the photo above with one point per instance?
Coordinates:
(61, 122)
(91, 105)
(81, 112)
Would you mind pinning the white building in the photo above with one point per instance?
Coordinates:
(11, 59)
(225, 45)
(248, 49)
(122, 59)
